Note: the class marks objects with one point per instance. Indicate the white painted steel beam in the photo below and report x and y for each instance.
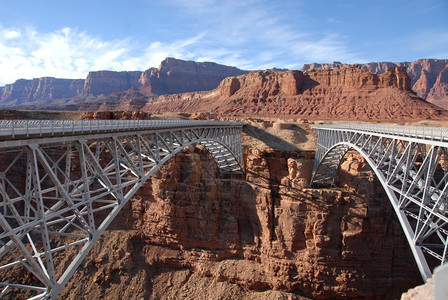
(63, 182)
(412, 165)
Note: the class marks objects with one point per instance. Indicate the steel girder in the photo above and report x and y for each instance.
(412, 165)
(62, 193)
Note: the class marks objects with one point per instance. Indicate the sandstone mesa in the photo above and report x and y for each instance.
(347, 93)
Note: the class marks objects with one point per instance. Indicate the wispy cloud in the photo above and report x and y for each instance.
(252, 34)
(432, 42)
(158, 51)
(246, 34)
(66, 53)
(70, 53)
(258, 34)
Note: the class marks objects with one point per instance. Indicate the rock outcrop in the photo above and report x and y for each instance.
(178, 76)
(347, 93)
(109, 90)
(438, 94)
(267, 231)
(107, 82)
(39, 90)
(172, 76)
(429, 77)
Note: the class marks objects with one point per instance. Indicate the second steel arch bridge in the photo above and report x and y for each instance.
(412, 165)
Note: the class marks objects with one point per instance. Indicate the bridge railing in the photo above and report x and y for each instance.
(427, 133)
(13, 128)
(410, 162)
(59, 193)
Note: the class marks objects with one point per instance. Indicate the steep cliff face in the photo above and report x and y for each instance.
(438, 94)
(354, 77)
(346, 93)
(266, 231)
(38, 90)
(107, 82)
(428, 76)
(178, 76)
(172, 76)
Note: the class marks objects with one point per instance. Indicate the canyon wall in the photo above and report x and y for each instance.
(107, 82)
(348, 93)
(172, 76)
(191, 231)
(38, 90)
(108, 89)
(429, 77)
(177, 76)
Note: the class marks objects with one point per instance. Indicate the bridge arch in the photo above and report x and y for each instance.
(340, 149)
(412, 168)
(60, 190)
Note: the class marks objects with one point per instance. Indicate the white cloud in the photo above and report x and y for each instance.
(69, 53)
(248, 35)
(262, 34)
(10, 34)
(65, 53)
(181, 49)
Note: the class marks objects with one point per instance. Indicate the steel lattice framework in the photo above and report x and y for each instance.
(63, 182)
(412, 165)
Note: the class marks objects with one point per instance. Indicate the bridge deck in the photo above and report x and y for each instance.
(415, 133)
(412, 165)
(18, 132)
(66, 181)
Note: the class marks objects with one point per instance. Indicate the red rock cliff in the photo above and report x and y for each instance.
(427, 76)
(39, 90)
(179, 76)
(425, 73)
(107, 82)
(346, 93)
(265, 231)
(172, 76)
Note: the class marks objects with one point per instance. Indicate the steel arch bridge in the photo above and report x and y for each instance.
(63, 182)
(412, 165)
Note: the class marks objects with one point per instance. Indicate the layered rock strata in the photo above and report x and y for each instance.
(429, 77)
(38, 90)
(265, 231)
(348, 93)
(108, 82)
(177, 76)
(102, 87)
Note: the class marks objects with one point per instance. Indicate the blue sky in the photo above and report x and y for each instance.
(69, 38)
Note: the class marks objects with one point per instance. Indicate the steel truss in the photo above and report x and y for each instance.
(412, 165)
(61, 193)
